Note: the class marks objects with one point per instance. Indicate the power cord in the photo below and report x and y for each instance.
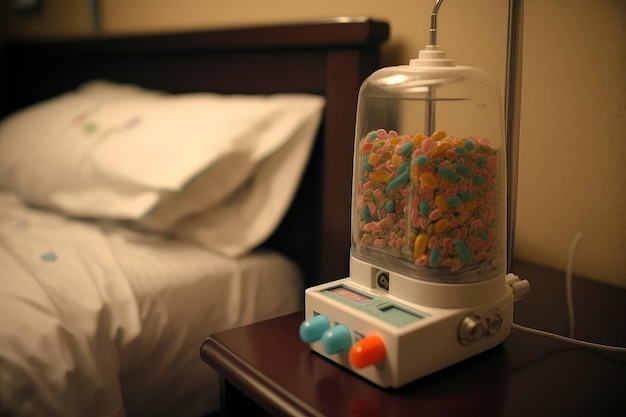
(521, 287)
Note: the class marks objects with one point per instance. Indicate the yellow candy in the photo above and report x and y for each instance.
(470, 205)
(373, 159)
(442, 225)
(394, 141)
(429, 180)
(421, 242)
(440, 148)
(417, 139)
(440, 134)
(441, 203)
(396, 160)
(380, 176)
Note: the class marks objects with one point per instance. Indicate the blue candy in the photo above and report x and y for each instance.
(463, 170)
(464, 254)
(467, 196)
(447, 174)
(406, 149)
(453, 201)
(403, 178)
(422, 160)
(365, 214)
(425, 208)
(435, 256)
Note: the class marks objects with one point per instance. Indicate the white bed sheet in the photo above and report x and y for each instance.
(99, 320)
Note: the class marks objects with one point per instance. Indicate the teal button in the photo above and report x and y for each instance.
(336, 339)
(313, 328)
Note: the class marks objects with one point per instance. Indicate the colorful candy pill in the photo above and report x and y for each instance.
(464, 254)
(479, 180)
(442, 225)
(435, 256)
(422, 160)
(441, 203)
(467, 196)
(417, 139)
(439, 148)
(447, 174)
(406, 150)
(380, 243)
(470, 206)
(422, 260)
(463, 171)
(365, 214)
(453, 201)
(429, 180)
(397, 181)
(380, 176)
(373, 158)
(421, 241)
(435, 214)
(438, 135)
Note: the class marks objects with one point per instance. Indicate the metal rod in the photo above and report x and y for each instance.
(512, 116)
(429, 121)
(433, 22)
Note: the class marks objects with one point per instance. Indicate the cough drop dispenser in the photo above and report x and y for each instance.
(429, 243)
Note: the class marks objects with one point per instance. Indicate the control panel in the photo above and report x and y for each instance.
(392, 342)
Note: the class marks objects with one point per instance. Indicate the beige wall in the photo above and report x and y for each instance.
(573, 140)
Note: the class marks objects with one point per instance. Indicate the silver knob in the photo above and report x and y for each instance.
(471, 329)
(494, 321)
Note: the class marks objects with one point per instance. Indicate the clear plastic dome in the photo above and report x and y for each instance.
(429, 183)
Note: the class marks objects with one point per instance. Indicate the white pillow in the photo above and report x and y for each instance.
(121, 152)
(250, 216)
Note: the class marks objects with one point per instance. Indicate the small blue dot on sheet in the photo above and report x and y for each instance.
(49, 257)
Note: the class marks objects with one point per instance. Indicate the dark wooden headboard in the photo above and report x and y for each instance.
(328, 57)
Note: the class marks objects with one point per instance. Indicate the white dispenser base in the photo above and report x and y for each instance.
(407, 341)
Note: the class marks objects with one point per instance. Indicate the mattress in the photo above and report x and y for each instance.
(99, 319)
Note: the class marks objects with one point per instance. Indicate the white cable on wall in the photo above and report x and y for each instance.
(570, 310)
(568, 283)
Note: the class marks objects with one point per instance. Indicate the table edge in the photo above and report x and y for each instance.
(261, 389)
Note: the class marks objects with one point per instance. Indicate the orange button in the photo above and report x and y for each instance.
(368, 351)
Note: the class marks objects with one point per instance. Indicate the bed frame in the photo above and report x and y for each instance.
(327, 57)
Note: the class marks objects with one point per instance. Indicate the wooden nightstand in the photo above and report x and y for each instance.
(266, 370)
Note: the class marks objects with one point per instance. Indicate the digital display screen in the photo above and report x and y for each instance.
(379, 307)
(350, 295)
(398, 316)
